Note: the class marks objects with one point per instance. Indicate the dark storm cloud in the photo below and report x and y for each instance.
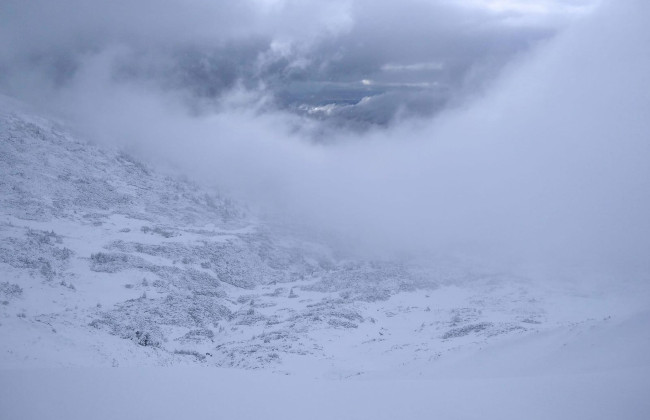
(47, 42)
(414, 32)
(400, 45)
(206, 48)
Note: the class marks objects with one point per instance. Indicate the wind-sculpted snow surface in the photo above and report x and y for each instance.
(105, 262)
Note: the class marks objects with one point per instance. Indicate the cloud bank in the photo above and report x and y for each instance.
(535, 157)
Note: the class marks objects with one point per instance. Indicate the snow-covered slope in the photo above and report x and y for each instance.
(105, 262)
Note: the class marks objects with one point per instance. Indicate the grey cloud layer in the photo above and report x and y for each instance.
(206, 48)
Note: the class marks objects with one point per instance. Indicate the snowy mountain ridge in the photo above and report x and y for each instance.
(105, 262)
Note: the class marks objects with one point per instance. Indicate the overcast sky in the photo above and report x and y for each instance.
(516, 131)
(415, 56)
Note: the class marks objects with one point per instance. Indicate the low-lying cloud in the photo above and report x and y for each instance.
(546, 164)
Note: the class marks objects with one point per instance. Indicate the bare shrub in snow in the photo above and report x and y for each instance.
(10, 291)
